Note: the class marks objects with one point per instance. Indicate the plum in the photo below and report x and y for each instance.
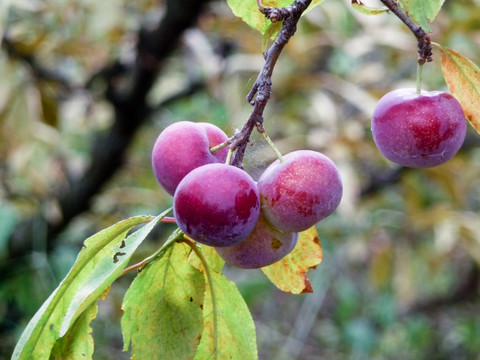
(418, 130)
(182, 147)
(264, 246)
(217, 204)
(299, 192)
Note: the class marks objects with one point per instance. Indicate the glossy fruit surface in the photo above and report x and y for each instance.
(264, 246)
(217, 204)
(182, 147)
(418, 130)
(301, 191)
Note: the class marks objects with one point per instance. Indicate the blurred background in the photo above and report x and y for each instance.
(86, 86)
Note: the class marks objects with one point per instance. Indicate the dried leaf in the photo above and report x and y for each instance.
(290, 273)
(463, 80)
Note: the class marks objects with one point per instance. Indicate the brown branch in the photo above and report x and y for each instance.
(424, 45)
(261, 91)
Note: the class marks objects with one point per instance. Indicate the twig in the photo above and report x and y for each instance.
(424, 45)
(261, 91)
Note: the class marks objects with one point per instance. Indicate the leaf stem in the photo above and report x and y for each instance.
(228, 161)
(176, 235)
(197, 252)
(272, 146)
(220, 146)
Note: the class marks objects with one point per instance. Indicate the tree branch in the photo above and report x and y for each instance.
(261, 91)
(424, 45)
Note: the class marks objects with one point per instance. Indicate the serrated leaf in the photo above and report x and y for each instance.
(99, 263)
(163, 308)
(290, 273)
(423, 12)
(235, 335)
(368, 10)
(248, 11)
(463, 80)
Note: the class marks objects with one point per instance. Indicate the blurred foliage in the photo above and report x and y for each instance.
(399, 279)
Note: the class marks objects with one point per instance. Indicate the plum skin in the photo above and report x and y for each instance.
(264, 246)
(217, 204)
(301, 191)
(418, 130)
(182, 147)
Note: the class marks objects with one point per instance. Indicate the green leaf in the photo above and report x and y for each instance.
(289, 274)
(100, 262)
(463, 80)
(368, 10)
(77, 343)
(248, 11)
(214, 261)
(234, 337)
(163, 308)
(423, 12)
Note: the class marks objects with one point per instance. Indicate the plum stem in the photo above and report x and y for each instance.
(424, 45)
(272, 146)
(419, 77)
(208, 274)
(261, 90)
(229, 156)
(214, 149)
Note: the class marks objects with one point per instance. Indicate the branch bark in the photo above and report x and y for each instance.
(261, 91)
(424, 45)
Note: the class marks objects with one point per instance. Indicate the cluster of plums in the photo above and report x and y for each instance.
(250, 224)
(419, 130)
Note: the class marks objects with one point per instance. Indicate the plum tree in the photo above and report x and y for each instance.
(264, 246)
(299, 192)
(217, 204)
(419, 130)
(182, 147)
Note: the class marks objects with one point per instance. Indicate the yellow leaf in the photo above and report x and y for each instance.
(290, 273)
(463, 80)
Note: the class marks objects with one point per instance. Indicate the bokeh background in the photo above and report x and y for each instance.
(85, 88)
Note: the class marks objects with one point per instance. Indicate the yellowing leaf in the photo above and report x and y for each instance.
(163, 308)
(463, 80)
(290, 273)
(248, 11)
